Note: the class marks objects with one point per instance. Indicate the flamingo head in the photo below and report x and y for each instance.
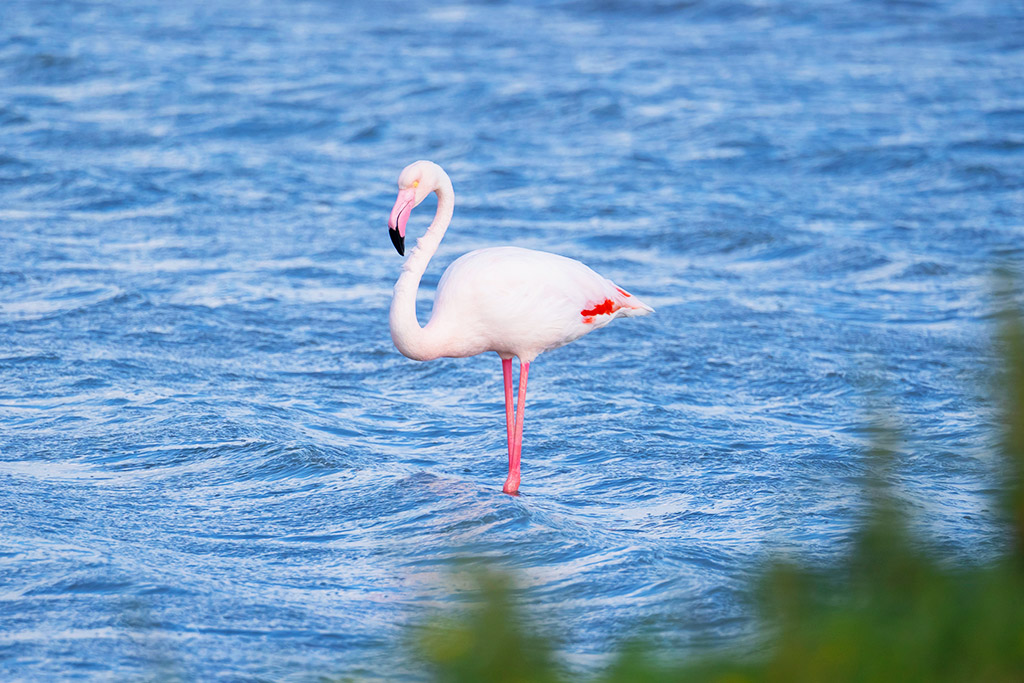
(417, 180)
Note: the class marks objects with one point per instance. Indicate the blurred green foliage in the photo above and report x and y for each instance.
(889, 612)
(490, 643)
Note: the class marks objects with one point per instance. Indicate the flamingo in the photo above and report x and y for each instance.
(513, 301)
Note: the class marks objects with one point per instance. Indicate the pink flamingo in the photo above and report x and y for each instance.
(515, 302)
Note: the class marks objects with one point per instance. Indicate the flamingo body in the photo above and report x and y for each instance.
(520, 302)
(512, 301)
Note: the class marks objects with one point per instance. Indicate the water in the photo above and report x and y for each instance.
(214, 462)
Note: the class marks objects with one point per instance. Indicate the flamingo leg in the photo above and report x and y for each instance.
(512, 483)
(510, 418)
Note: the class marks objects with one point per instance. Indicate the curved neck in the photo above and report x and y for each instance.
(412, 340)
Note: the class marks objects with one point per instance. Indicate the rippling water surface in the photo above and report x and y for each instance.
(214, 461)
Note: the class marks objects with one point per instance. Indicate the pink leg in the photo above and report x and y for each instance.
(512, 483)
(510, 419)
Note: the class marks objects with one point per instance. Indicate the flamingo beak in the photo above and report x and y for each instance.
(399, 217)
(398, 241)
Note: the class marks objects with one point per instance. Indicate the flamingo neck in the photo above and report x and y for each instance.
(410, 339)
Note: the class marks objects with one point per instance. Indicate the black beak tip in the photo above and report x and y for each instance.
(397, 240)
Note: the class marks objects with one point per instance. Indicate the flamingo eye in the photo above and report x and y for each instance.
(415, 183)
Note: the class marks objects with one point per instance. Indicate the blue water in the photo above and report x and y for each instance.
(214, 463)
